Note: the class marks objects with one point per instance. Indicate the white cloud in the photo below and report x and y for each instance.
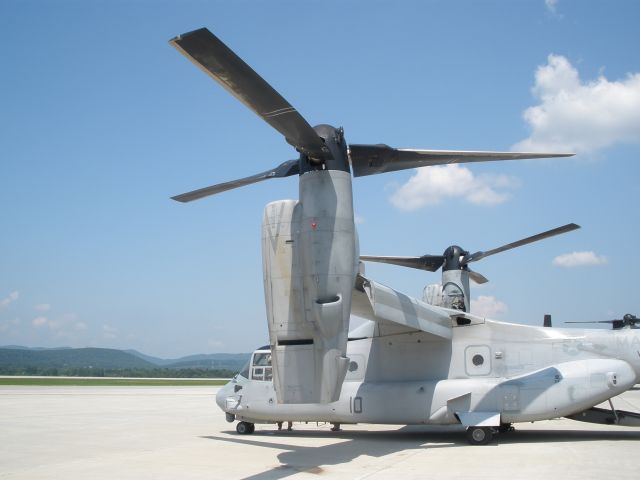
(488, 306)
(40, 321)
(430, 185)
(579, 259)
(12, 297)
(43, 321)
(580, 116)
(358, 220)
(551, 5)
(42, 307)
(63, 325)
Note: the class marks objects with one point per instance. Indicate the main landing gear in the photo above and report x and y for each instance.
(484, 435)
(245, 428)
(480, 435)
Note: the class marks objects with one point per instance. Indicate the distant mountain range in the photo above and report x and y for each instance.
(16, 356)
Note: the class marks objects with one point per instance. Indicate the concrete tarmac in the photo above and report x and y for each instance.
(179, 433)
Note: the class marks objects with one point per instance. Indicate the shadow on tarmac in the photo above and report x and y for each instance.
(298, 458)
(311, 459)
(564, 436)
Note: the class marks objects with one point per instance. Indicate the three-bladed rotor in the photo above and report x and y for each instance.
(455, 258)
(322, 147)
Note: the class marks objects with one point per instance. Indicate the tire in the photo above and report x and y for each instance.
(245, 428)
(479, 435)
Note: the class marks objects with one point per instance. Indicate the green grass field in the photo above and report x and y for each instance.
(109, 382)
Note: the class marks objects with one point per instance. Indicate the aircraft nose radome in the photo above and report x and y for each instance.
(221, 396)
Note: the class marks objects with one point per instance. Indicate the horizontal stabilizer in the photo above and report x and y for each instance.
(374, 159)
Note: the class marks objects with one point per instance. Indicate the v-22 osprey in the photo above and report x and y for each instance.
(414, 361)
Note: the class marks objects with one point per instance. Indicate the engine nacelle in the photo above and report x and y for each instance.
(455, 290)
(310, 263)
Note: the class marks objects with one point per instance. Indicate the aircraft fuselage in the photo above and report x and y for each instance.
(517, 373)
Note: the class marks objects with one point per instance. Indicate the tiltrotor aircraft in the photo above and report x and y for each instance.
(414, 361)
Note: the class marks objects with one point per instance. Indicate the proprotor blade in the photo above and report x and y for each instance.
(597, 321)
(286, 169)
(474, 257)
(430, 263)
(373, 159)
(477, 277)
(218, 61)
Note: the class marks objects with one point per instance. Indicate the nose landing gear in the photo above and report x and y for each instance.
(245, 428)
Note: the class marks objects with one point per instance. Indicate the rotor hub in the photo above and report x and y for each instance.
(334, 142)
(452, 256)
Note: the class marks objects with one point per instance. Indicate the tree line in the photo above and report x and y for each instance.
(118, 372)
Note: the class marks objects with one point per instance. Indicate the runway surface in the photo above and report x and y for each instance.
(179, 433)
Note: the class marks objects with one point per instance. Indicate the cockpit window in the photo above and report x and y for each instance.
(262, 359)
(261, 367)
(245, 370)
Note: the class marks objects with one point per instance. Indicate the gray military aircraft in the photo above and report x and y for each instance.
(413, 361)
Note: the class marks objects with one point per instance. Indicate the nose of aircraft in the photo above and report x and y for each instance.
(221, 396)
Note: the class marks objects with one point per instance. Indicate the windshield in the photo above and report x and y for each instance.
(245, 370)
(261, 366)
(262, 359)
(258, 367)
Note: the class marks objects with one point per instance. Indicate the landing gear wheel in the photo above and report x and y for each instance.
(479, 435)
(245, 428)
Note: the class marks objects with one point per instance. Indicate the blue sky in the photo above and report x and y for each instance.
(102, 121)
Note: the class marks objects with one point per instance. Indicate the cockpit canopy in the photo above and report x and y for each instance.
(259, 366)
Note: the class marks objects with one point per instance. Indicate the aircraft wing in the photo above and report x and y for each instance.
(374, 301)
